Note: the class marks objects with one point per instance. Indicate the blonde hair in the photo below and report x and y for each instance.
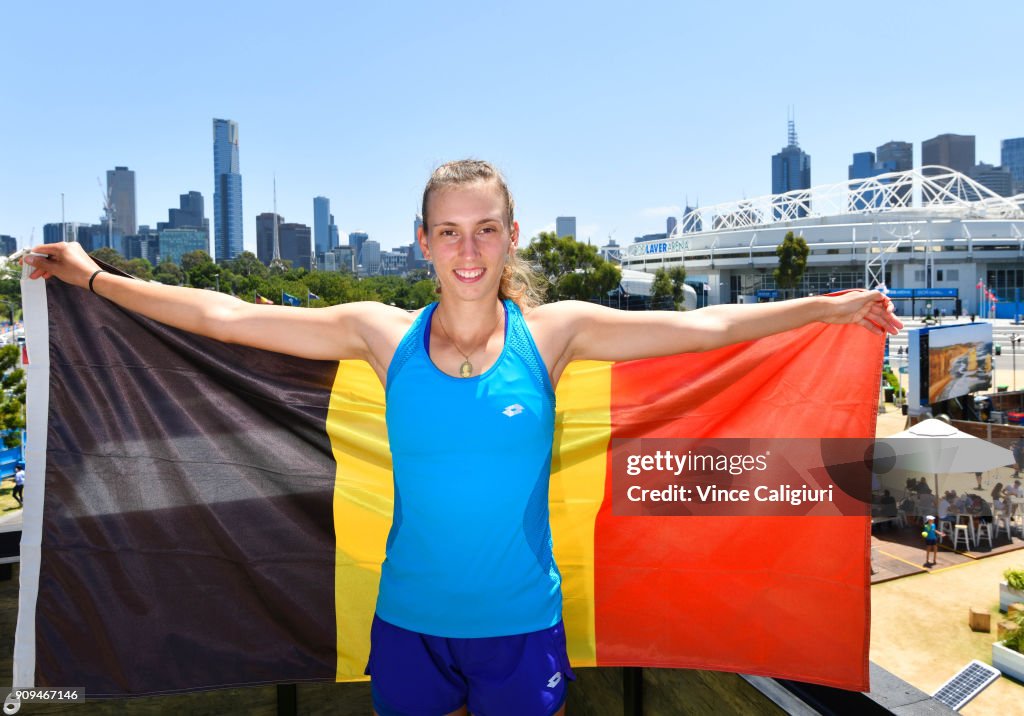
(519, 281)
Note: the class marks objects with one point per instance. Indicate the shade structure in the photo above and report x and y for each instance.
(935, 447)
(208, 515)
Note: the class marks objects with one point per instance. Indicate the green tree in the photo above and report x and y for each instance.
(169, 272)
(140, 268)
(12, 400)
(246, 264)
(571, 270)
(110, 256)
(792, 253)
(668, 290)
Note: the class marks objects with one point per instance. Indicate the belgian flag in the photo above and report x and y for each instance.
(205, 515)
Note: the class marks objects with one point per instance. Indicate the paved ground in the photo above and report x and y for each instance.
(919, 625)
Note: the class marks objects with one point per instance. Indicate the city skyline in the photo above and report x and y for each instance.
(626, 156)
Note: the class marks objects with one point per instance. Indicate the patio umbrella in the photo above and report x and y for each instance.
(933, 446)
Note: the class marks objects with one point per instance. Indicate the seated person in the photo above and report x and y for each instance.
(922, 487)
(888, 504)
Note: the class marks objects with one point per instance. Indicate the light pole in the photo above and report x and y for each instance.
(1014, 340)
(216, 277)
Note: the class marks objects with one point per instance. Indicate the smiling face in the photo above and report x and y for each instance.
(468, 239)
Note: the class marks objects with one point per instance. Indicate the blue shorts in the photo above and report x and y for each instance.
(413, 674)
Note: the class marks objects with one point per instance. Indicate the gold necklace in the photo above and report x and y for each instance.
(466, 369)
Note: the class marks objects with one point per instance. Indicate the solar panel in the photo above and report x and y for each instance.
(968, 683)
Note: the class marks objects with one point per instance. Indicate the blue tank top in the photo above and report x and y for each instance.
(469, 552)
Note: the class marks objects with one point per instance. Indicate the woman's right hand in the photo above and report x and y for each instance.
(68, 261)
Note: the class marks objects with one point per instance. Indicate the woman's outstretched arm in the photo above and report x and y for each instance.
(334, 333)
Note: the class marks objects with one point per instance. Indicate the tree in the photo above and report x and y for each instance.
(110, 256)
(572, 270)
(792, 253)
(140, 268)
(169, 272)
(246, 264)
(667, 289)
(12, 400)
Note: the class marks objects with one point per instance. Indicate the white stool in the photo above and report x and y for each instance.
(968, 523)
(946, 528)
(984, 532)
(960, 532)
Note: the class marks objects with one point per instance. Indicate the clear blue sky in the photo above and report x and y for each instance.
(608, 112)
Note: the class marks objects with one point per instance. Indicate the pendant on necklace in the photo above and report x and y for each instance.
(466, 369)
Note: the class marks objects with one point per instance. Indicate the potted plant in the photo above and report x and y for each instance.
(1012, 590)
(1008, 654)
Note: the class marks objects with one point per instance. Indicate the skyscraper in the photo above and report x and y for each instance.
(955, 151)
(791, 171)
(565, 226)
(356, 239)
(227, 192)
(1012, 158)
(121, 187)
(190, 214)
(333, 234)
(8, 244)
(322, 224)
(295, 241)
(901, 154)
(265, 236)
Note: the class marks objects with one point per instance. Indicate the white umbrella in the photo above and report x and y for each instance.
(937, 447)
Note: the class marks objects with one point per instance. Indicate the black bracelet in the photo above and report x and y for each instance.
(93, 278)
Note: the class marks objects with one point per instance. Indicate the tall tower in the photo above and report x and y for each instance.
(1012, 156)
(121, 188)
(227, 191)
(791, 167)
(321, 225)
(955, 151)
(791, 171)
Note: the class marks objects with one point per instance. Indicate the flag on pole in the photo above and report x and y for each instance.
(209, 514)
(262, 299)
(313, 297)
(289, 300)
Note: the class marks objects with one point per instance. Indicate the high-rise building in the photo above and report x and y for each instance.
(393, 263)
(670, 225)
(791, 168)
(955, 151)
(565, 226)
(121, 188)
(227, 191)
(338, 259)
(694, 224)
(145, 244)
(175, 243)
(190, 214)
(356, 239)
(998, 179)
(296, 242)
(322, 220)
(334, 242)
(1011, 155)
(8, 244)
(864, 166)
(265, 236)
(900, 154)
(52, 233)
(369, 255)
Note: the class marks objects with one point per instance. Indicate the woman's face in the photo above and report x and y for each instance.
(467, 239)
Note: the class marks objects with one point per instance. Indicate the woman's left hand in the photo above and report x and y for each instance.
(871, 309)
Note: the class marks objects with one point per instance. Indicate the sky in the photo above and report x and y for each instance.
(616, 114)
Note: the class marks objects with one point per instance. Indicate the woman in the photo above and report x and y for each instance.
(469, 607)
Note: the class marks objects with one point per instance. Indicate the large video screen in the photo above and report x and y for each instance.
(959, 360)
